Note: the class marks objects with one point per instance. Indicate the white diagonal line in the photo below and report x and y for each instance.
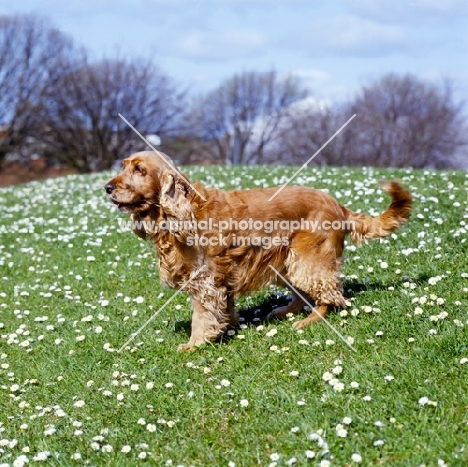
(160, 154)
(313, 308)
(257, 372)
(161, 309)
(303, 166)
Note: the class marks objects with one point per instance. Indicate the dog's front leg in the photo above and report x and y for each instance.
(210, 320)
(197, 336)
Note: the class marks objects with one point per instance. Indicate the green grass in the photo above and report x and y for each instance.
(66, 271)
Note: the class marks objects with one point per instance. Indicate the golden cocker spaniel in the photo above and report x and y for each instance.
(219, 244)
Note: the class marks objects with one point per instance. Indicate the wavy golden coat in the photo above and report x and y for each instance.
(169, 211)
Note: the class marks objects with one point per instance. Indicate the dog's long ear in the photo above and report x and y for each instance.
(175, 203)
(174, 198)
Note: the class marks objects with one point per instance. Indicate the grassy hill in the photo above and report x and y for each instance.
(73, 289)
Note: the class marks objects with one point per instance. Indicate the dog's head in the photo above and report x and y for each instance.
(147, 181)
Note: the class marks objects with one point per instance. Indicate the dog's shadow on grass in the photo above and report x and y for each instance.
(183, 327)
(255, 314)
(250, 314)
(354, 287)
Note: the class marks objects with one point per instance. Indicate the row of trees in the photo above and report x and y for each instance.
(400, 121)
(58, 104)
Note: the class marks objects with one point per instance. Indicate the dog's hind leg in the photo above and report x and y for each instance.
(315, 271)
(318, 313)
(292, 308)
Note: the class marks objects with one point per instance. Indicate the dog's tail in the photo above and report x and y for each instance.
(363, 227)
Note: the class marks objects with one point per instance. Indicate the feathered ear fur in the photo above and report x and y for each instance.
(175, 204)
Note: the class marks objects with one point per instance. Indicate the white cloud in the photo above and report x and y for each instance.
(309, 104)
(313, 77)
(220, 45)
(351, 35)
(410, 11)
(324, 87)
(313, 80)
(151, 6)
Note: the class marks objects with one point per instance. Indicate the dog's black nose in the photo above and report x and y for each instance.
(110, 187)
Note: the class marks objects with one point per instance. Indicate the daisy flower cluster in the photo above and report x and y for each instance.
(332, 378)
(74, 288)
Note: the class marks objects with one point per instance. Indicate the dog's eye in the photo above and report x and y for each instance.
(139, 170)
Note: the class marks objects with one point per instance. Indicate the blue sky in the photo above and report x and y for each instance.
(334, 46)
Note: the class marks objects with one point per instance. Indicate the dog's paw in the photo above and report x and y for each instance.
(191, 345)
(186, 347)
(300, 324)
(279, 313)
(270, 316)
(275, 314)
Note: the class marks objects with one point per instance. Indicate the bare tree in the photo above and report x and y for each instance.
(85, 131)
(306, 131)
(403, 121)
(239, 118)
(33, 55)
